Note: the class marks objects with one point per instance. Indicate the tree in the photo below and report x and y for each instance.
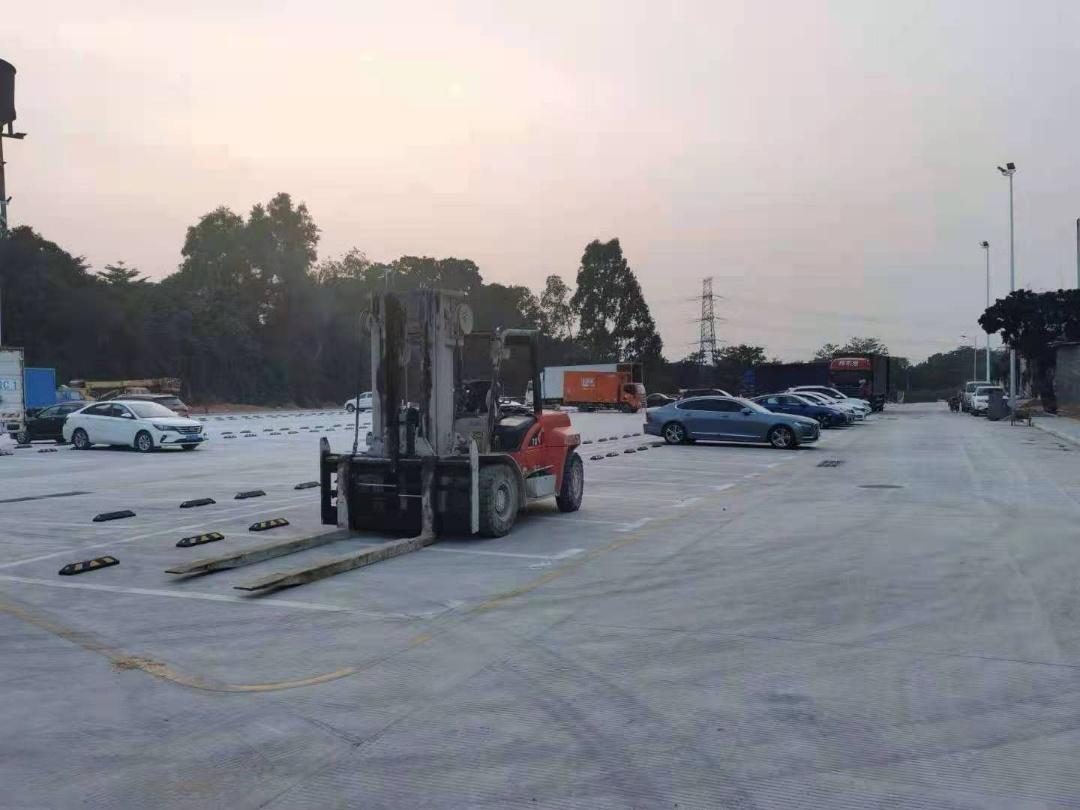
(1030, 322)
(555, 308)
(827, 352)
(614, 320)
(855, 345)
(732, 363)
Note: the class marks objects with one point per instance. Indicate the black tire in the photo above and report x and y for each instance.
(499, 500)
(573, 484)
(350, 408)
(80, 440)
(675, 433)
(782, 437)
(22, 437)
(189, 446)
(144, 442)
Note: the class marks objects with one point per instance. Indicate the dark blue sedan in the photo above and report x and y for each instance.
(803, 406)
(728, 419)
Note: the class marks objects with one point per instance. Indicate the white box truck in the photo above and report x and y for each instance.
(12, 395)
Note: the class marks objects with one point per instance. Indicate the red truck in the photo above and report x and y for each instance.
(592, 390)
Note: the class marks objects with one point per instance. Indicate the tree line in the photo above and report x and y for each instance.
(253, 315)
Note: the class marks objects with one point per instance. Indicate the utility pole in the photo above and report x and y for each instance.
(7, 118)
(1078, 253)
(986, 246)
(1009, 171)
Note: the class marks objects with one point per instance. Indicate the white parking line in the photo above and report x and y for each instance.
(562, 555)
(207, 597)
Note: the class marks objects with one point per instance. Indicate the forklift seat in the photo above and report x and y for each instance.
(510, 431)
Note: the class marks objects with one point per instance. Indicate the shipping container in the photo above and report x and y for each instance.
(12, 403)
(40, 387)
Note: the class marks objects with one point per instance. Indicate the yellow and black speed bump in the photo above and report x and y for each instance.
(587, 441)
(197, 502)
(629, 450)
(123, 513)
(306, 485)
(612, 455)
(251, 493)
(643, 447)
(88, 565)
(596, 458)
(199, 539)
(263, 525)
(47, 450)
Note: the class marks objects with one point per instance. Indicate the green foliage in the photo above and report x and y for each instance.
(556, 312)
(855, 345)
(614, 319)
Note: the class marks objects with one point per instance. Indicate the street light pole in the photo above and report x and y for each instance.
(1009, 171)
(986, 247)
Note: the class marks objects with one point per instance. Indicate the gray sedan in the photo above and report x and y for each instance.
(728, 419)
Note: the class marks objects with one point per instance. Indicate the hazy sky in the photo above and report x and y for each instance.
(830, 163)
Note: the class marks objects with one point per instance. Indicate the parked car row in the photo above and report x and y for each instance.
(139, 421)
(783, 420)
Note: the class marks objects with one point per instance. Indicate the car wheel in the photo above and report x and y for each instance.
(675, 433)
(573, 484)
(782, 437)
(498, 500)
(350, 408)
(144, 442)
(22, 437)
(80, 440)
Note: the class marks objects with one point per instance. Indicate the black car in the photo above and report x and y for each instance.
(658, 400)
(48, 423)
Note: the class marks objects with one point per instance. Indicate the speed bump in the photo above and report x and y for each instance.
(587, 441)
(629, 450)
(596, 458)
(47, 450)
(306, 485)
(87, 565)
(197, 502)
(123, 513)
(199, 539)
(612, 454)
(263, 525)
(602, 439)
(643, 447)
(251, 493)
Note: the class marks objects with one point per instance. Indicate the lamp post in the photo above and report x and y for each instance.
(1009, 171)
(974, 356)
(986, 247)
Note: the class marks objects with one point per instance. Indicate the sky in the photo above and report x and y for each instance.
(830, 164)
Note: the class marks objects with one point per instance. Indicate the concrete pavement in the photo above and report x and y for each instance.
(722, 627)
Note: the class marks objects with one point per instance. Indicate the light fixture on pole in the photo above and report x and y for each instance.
(974, 357)
(1009, 171)
(986, 246)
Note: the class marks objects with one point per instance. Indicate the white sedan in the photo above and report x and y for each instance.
(361, 403)
(142, 425)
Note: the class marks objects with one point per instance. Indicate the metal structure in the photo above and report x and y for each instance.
(447, 453)
(986, 246)
(707, 339)
(7, 130)
(1008, 171)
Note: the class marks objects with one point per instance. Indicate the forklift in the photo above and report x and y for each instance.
(446, 454)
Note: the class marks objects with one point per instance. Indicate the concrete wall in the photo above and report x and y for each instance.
(1067, 376)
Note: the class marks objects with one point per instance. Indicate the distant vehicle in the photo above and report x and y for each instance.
(12, 392)
(47, 423)
(825, 415)
(728, 419)
(596, 390)
(703, 392)
(658, 400)
(173, 403)
(40, 387)
(969, 390)
(102, 390)
(862, 376)
(131, 423)
(552, 379)
(980, 398)
(361, 403)
(821, 399)
(832, 393)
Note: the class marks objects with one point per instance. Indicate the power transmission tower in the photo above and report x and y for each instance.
(706, 353)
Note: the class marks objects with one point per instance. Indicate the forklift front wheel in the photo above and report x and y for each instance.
(499, 500)
(573, 484)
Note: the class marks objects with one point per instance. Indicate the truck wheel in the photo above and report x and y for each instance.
(80, 440)
(573, 484)
(498, 500)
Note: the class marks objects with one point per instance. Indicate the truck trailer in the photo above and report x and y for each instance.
(552, 379)
(12, 391)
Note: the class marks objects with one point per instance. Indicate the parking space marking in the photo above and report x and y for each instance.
(722, 487)
(562, 555)
(170, 530)
(207, 597)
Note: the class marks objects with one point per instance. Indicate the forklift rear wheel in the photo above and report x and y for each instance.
(498, 500)
(573, 484)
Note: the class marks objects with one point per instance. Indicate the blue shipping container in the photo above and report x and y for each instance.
(40, 387)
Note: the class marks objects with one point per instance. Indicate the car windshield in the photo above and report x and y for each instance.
(749, 403)
(150, 410)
